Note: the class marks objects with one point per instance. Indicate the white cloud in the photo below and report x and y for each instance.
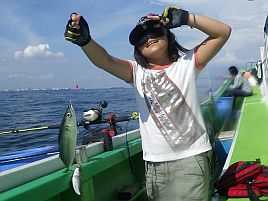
(163, 2)
(18, 76)
(85, 77)
(227, 57)
(41, 50)
(23, 76)
(47, 77)
(158, 3)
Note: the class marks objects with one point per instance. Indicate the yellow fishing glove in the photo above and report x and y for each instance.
(79, 36)
(175, 17)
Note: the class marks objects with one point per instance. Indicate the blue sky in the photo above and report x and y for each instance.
(34, 54)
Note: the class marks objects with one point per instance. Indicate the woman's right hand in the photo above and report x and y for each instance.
(77, 30)
(174, 17)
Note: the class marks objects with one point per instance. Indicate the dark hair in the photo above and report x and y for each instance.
(233, 70)
(175, 51)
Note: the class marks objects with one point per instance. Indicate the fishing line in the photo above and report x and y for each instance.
(128, 151)
(209, 85)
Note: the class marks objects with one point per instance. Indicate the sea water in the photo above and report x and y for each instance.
(28, 108)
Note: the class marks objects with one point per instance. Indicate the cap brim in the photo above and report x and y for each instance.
(139, 31)
(136, 34)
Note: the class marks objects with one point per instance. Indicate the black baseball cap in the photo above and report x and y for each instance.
(143, 27)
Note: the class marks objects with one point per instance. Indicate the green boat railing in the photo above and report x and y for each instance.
(102, 175)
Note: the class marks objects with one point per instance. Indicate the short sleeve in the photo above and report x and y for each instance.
(134, 67)
(197, 67)
(197, 64)
(189, 62)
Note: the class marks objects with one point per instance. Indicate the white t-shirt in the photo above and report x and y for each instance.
(171, 123)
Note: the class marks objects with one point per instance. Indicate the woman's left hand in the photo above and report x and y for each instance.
(157, 18)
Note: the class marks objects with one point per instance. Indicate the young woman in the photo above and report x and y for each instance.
(174, 139)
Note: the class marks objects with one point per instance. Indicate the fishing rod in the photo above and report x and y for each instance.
(91, 116)
(35, 128)
(57, 126)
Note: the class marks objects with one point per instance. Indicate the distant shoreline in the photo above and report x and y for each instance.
(57, 89)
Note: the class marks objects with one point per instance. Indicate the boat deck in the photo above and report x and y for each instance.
(251, 136)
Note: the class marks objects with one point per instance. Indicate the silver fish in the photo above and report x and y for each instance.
(76, 180)
(67, 137)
